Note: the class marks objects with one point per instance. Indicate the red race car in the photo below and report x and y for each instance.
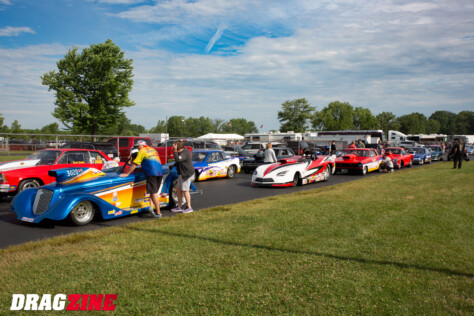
(16, 176)
(363, 160)
(400, 157)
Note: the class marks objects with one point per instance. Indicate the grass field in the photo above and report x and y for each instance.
(13, 155)
(398, 244)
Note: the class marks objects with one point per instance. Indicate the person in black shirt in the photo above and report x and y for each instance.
(185, 168)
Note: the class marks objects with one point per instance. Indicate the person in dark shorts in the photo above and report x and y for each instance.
(150, 161)
(185, 168)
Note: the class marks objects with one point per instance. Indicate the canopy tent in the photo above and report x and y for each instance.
(221, 139)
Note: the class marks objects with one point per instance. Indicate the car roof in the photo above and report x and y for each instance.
(207, 151)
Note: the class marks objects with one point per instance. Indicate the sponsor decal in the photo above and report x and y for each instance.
(12, 187)
(118, 213)
(134, 212)
(111, 212)
(27, 219)
(60, 302)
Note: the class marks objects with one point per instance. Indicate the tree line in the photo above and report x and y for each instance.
(299, 116)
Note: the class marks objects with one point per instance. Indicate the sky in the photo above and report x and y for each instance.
(227, 59)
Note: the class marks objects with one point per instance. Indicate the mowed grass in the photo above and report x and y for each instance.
(397, 244)
(13, 155)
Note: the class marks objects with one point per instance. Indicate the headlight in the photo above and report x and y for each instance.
(281, 174)
(255, 173)
(360, 165)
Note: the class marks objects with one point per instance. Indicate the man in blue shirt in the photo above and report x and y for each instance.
(151, 165)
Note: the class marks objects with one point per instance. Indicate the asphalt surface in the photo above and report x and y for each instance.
(215, 192)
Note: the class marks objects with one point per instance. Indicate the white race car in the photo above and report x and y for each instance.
(298, 170)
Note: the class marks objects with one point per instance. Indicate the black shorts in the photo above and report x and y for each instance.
(153, 184)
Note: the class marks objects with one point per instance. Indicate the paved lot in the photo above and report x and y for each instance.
(215, 192)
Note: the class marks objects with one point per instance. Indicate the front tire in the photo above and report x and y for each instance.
(365, 170)
(327, 172)
(28, 183)
(82, 213)
(296, 180)
(231, 172)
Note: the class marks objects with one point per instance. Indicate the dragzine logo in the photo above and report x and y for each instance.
(75, 302)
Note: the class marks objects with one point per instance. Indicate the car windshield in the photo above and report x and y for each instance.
(417, 150)
(359, 153)
(199, 157)
(395, 151)
(46, 157)
(435, 149)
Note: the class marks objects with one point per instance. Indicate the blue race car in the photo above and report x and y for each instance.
(436, 152)
(420, 155)
(214, 164)
(80, 193)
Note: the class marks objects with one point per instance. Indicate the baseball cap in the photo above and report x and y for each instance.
(141, 142)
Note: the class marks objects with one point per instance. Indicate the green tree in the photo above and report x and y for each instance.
(387, 121)
(2, 119)
(432, 126)
(465, 123)
(363, 119)
(414, 123)
(176, 126)
(295, 115)
(160, 127)
(239, 126)
(52, 128)
(336, 116)
(92, 88)
(446, 120)
(16, 127)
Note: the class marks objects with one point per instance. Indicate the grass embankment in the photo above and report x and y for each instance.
(13, 155)
(394, 244)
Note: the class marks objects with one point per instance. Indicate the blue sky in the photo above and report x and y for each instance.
(230, 59)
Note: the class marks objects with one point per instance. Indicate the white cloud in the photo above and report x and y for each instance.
(121, 1)
(15, 31)
(5, 2)
(387, 56)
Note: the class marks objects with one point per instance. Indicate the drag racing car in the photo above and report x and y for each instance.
(420, 155)
(297, 170)
(363, 160)
(210, 164)
(80, 193)
(400, 157)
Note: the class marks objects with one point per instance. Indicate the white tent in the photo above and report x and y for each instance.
(222, 139)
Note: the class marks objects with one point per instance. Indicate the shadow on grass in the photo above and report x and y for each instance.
(314, 253)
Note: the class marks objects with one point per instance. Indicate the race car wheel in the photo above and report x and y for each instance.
(231, 172)
(296, 180)
(365, 170)
(196, 176)
(82, 213)
(327, 172)
(28, 183)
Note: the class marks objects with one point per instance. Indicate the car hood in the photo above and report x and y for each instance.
(16, 164)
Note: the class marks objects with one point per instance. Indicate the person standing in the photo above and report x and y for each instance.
(270, 156)
(332, 149)
(185, 168)
(380, 147)
(360, 144)
(352, 145)
(148, 158)
(459, 151)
